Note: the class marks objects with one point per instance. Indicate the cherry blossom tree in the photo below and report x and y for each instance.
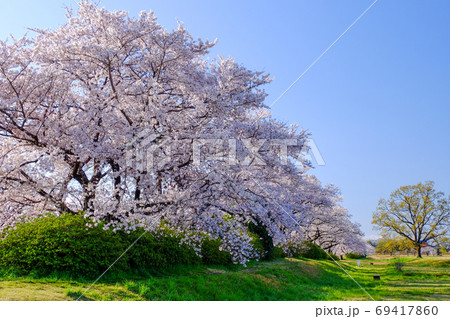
(133, 125)
(329, 225)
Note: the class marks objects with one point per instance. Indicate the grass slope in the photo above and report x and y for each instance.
(282, 279)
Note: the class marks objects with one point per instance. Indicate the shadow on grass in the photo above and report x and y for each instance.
(281, 279)
(78, 295)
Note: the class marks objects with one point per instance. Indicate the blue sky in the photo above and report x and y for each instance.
(377, 104)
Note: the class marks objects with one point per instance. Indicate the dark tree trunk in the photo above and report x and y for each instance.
(419, 251)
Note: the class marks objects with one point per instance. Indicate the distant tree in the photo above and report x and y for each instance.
(373, 242)
(445, 249)
(440, 244)
(332, 230)
(387, 245)
(418, 213)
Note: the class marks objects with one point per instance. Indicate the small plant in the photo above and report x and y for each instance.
(399, 266)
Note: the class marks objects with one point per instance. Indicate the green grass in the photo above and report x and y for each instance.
(282, 279)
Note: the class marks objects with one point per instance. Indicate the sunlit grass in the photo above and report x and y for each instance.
(282, 279)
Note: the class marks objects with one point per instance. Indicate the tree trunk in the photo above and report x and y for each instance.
(419, 252)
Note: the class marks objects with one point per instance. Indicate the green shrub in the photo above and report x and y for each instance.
(156, 251)
(332, 257)
(257, 244)
(59, 243)
(262, 241)
(309, 250)
(399, 266)
(354, 256)
(278, 252)
(212, 255)
(64, 244)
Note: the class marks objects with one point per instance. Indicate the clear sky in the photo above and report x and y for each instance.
(377, 104)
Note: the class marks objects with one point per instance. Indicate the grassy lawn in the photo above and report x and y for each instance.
(282, 279)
